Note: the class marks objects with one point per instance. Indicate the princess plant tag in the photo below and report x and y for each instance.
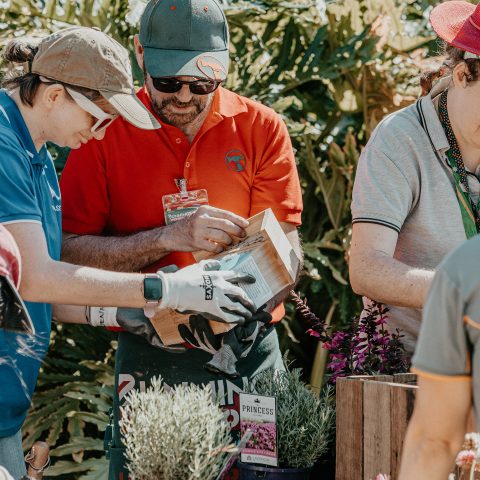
(183, 204)
(259, 414)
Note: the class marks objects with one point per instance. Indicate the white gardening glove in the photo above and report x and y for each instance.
(203, 288)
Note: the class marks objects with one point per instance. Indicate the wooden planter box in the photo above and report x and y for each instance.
(372, 417)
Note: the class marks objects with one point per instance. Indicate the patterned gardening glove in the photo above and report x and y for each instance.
(236, 344)
(199, 334)
(134, 321)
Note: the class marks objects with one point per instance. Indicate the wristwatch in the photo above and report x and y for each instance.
(152, 292)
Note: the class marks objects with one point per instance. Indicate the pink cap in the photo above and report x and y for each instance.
(458, 23)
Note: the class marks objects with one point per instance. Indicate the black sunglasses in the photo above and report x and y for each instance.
(172, 85)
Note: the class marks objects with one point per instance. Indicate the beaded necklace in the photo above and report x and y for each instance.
(470, 210)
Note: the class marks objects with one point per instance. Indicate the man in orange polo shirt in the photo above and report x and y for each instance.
(120, 210)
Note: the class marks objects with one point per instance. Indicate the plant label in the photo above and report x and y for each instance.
(259, 414)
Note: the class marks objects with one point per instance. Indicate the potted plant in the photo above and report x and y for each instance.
(365, 347)
(177, 434)
(304, 425)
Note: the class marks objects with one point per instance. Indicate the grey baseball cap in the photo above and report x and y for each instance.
(185, 37)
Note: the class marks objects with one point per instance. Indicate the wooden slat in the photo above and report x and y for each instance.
(376, 428)
(406, 378)
(379, 378)
(349, 433)
(374, 445)
(372, 378)
(402, 398)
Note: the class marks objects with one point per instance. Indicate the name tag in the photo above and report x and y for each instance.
(177, 206)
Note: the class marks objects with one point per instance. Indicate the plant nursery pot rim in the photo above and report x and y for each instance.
(265, 468)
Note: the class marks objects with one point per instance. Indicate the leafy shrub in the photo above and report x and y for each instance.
(180, 433)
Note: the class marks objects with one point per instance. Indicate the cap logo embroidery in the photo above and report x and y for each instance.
(235, 160)
(211, 68)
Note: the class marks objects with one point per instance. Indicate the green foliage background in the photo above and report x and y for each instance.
(332, 71)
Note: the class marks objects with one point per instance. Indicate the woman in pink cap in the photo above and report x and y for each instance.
(421, 170)
(416, 191)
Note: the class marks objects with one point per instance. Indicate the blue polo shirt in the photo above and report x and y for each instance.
(29, 192)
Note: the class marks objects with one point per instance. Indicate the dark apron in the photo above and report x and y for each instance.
(137, 362)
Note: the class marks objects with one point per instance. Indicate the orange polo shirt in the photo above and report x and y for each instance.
(242, 156)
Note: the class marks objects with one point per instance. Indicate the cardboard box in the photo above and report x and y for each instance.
(266, 252)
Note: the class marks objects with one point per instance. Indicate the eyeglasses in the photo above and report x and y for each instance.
(104, 119)
(172, 85)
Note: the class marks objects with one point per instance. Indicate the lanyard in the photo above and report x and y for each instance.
(468, 208)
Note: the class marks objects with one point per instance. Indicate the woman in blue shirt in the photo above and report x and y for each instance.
(74, 84)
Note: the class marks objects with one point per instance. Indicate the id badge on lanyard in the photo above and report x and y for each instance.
(183, 204)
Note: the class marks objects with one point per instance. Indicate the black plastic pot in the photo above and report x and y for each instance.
(249, 471)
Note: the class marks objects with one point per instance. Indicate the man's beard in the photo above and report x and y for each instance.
(179, 119)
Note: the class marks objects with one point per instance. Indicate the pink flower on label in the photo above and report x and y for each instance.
(382, 476)
(465, 458)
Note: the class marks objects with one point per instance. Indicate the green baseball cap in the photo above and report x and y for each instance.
(185, 37)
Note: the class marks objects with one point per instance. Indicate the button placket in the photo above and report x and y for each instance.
(189, 169)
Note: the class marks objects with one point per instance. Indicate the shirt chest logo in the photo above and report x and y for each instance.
(236, 160)
(56, 199)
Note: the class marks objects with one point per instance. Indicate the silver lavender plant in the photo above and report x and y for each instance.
(175, 434)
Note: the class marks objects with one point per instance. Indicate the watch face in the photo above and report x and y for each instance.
(152, 288)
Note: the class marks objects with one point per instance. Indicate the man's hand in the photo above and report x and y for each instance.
(209, 228)
(203, 288)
